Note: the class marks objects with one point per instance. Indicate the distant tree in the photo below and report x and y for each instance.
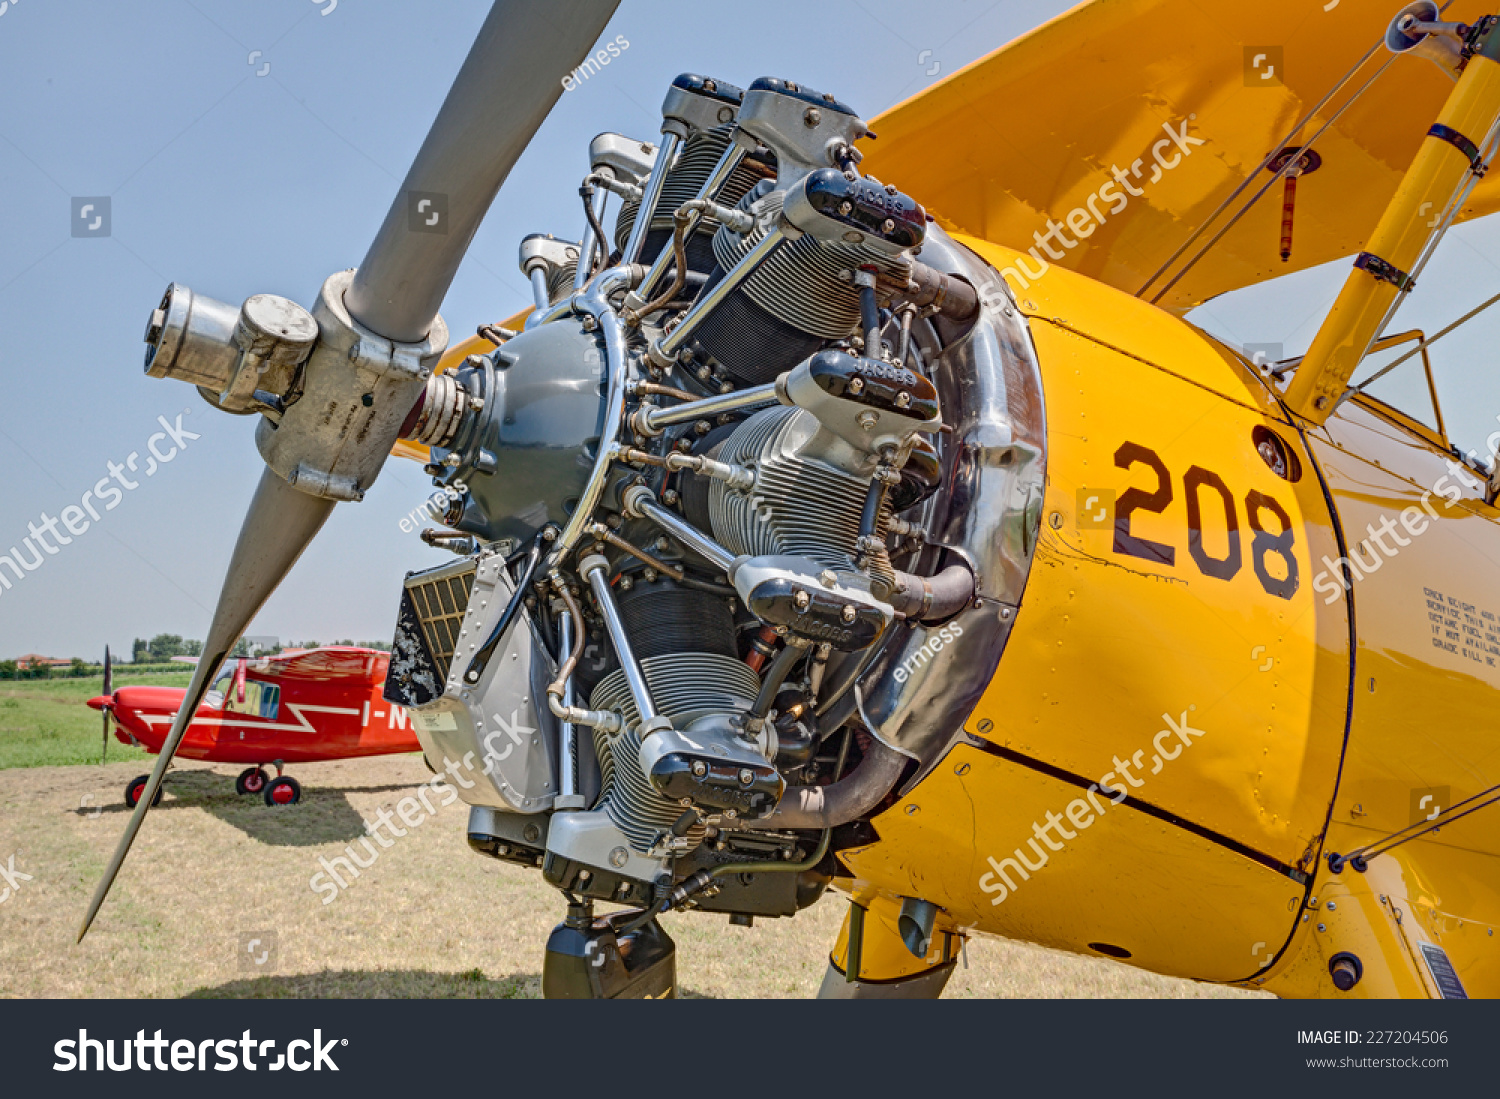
(192, 648)
(164, 646)
(9, 670)
(78, 668)
(241, 648)
(35, 669)
(140, 651)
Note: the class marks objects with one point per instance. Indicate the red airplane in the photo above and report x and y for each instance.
(299, 707)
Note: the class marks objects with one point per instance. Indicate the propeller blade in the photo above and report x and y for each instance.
(507, 85)
(109, 689)
(278, 526)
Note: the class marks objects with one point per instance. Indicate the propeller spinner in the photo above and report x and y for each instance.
(335, 384)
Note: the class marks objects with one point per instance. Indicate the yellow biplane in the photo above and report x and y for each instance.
(865, 515)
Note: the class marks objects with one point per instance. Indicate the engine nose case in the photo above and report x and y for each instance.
(526, 455)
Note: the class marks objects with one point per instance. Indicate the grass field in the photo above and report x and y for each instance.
(44, 722)
(212, 872)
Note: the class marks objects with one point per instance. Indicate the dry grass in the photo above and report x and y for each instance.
(429, 919)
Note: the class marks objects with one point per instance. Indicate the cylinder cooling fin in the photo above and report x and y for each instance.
(806, 282)
(800, 297)
(700, 153)
(686, 687)
(779, 515)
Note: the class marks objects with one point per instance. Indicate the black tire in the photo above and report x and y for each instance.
(283, 791)
(136, 787)
(252, 780)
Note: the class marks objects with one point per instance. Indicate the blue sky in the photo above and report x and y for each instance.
(238, 172)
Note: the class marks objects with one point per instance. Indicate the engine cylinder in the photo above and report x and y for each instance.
(685, 686)
(800, 505)
(663, 618)
(799, 298)
(700, 153)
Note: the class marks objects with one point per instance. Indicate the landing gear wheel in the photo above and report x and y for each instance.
(283, 791)
(252, 780)
(136, 788)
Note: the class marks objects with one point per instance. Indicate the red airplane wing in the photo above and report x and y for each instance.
(325, 664)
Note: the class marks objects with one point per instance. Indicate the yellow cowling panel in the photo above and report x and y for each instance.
(1128, 882)
(1107, 643)
(1033, 130)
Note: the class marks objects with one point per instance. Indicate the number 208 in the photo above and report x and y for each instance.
(1205, 493)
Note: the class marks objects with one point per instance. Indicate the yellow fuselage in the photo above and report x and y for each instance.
(1192, 711)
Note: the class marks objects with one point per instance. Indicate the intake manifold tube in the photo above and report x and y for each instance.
(557, 691)
(933, 598)
(840, 802)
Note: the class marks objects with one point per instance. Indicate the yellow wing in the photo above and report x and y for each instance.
(1035, 130)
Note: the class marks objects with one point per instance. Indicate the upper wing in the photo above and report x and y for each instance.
(322, 664)
(1034, 130)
